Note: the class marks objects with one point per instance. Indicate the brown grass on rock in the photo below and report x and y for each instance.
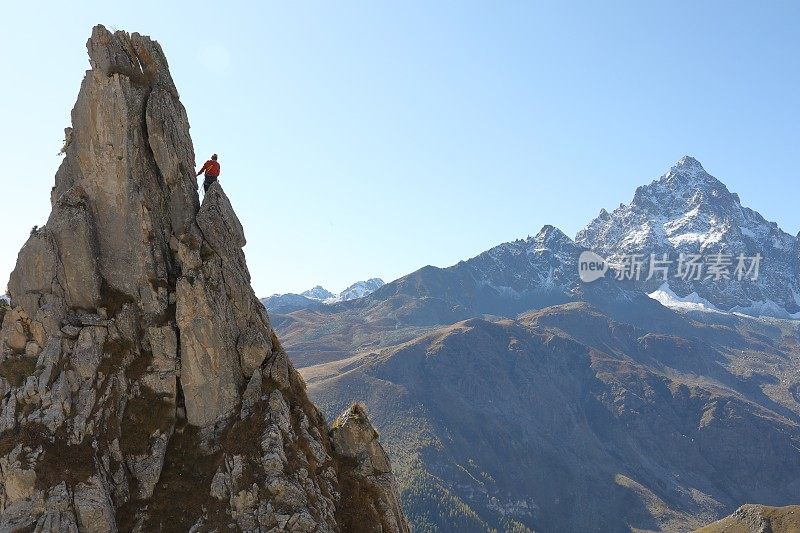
(15, 369)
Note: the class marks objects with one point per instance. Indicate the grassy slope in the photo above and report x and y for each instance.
(756, 519)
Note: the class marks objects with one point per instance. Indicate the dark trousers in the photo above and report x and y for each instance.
(208, 181)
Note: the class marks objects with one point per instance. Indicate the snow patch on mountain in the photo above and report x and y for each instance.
(766, 308)
(690, 302)
(695, 302)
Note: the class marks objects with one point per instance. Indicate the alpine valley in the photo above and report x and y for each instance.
(512, 396)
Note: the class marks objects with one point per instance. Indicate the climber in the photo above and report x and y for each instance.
(211, 168)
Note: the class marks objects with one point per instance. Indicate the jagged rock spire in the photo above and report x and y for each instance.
(355, 440)
(143, 387)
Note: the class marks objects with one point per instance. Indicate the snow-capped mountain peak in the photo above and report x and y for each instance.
(318, 293)
(358, 289)
(319, 297)
(689, 176)
(688, 164)
(689, 211)
(686, 208)
(550, 237)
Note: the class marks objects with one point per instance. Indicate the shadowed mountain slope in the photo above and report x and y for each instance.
(566, 420)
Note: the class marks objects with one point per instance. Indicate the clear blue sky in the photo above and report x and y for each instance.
(362, 139)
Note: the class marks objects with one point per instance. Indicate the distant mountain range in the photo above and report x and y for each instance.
(686, 211)
(319, 296)
(514, 396)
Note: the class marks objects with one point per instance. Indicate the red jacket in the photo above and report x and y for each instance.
(211, 168)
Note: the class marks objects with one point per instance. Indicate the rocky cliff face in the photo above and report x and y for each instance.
(143, 387)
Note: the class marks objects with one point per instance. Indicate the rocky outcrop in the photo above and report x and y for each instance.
(368, 474)
(143, 387)
(758, 519)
